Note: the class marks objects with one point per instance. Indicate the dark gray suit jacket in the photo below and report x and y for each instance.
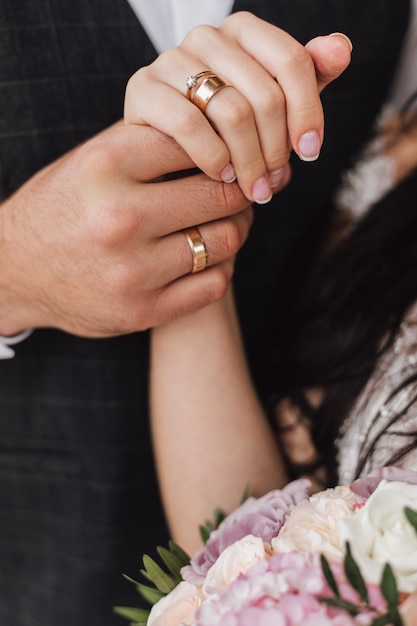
(78, 493)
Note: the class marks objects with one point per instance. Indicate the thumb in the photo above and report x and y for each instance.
(331, 55)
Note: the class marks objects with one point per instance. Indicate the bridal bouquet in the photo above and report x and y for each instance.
(342, 557)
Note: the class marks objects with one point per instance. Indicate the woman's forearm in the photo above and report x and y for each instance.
(211, 436)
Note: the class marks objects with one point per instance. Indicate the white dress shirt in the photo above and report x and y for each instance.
(166, 22)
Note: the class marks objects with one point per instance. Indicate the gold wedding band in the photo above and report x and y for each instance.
(192, 81)
(208, 88)
(197, 247)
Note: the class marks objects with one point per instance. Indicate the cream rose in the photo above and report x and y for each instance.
(178, 607)
(312, 524)
(234, 560)
(380, 533)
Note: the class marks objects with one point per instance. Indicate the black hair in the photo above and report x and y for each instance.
(336, 325)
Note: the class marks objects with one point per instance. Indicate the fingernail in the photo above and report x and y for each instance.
(345, 37)
(261, 191)
(275, 177)
(309, 146)
(228, 175)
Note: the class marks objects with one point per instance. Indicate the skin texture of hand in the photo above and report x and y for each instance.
(91, 245)
(248, 130)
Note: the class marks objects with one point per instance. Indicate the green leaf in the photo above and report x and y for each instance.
(163, 581)
(150, 594)
(328, 574)
(171, 561)
(131, 580)
(218, 518)
(138, 616)
(388, 618)
(339, 603)
(245, 495)
(205, 531)
(145, 574)
(389, 588)
(354, 575)
(411, 516)
(180, 553)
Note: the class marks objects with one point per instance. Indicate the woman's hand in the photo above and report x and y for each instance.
(249, 128)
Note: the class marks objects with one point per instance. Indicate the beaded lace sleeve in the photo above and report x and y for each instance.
(385, 414)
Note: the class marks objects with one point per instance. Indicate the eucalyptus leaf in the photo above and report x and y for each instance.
(131, 580)
(328, 574)
(172, 562)
(245, 495)
(205, 531)
(384, 620)
(411, 516)
(218, 517)
(389, 588)
(354, 576)
(163, 581)
(339, 603)
(180, 553)
(146, 575)
(150, 594)
(138, 616)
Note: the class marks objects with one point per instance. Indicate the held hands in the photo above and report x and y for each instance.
(249, 128)
(93, 243)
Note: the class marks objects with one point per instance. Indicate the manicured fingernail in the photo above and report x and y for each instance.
(309, 146)
(228, 175)
(261, 191)
(275, 177)
(345, 37)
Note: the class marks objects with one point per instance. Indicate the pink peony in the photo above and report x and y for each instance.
(366, 486)
(281, 591)
(262, 517)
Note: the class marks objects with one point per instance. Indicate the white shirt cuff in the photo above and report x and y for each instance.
(5, 342)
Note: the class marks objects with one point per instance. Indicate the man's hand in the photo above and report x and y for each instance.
(92, 244)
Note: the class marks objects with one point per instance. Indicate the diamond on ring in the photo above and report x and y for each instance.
(190, 82)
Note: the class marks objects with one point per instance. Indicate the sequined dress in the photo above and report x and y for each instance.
(386, 395)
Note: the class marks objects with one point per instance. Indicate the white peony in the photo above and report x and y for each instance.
(178, 607)
(313, 524)
(234, 560)
(380, 533)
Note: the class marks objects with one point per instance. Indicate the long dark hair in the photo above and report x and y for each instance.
(346, 313)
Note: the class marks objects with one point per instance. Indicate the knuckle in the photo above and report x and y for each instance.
(216, 159)
(200, 37)
(238, 20)
(102, 224)
(270, 102)
(278, 159)
(228, 198)
(236, 112)
(298, 59)
(111, 225)
(232, 239)
(220, 282)
(115, 280)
